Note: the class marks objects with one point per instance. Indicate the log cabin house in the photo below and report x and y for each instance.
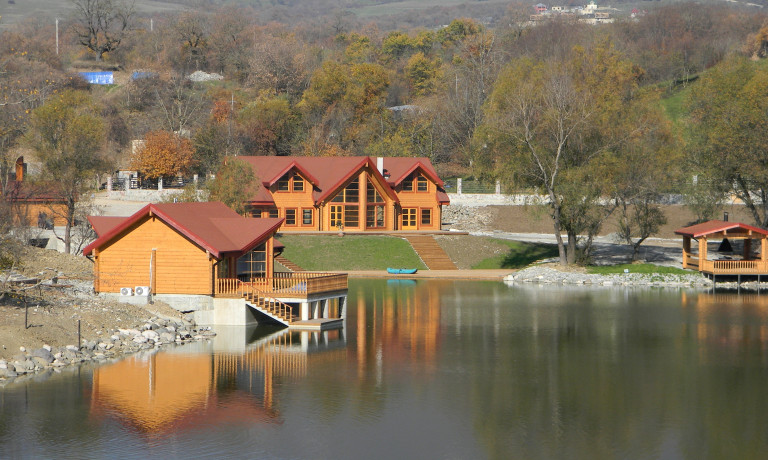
(206, 258)
(33, 204)
(348, 193)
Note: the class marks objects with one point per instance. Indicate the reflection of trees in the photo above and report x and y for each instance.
(611, 377)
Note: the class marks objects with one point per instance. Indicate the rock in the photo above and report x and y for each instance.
(150, 334)
(47, 347)
(22, 349)
(43, 355)
(167, 337)
(41, 362)
(140, 339)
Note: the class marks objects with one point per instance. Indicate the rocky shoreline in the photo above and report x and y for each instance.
(548, 275)
(153, 334)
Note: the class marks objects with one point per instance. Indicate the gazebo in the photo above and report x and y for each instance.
(748, 262)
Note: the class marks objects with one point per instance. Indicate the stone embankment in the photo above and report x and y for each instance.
(547, 275)
(153, 334)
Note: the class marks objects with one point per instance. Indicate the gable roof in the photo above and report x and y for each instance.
(400, 168)
(717, 226)
(328, 173)
(27, 192)
(210, 225)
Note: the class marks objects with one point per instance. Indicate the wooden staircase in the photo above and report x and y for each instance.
(288, 264)
(433, 256)
(275, 309)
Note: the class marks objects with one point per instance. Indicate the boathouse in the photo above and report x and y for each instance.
(204, 257)
(348, 193)
(749, 258)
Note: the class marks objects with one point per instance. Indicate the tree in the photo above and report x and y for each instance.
(164, 154)
(68, 136)
(102, 24)
(730, 132)
(550, 121)
(235, 184)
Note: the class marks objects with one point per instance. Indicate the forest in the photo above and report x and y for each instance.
(597, 119)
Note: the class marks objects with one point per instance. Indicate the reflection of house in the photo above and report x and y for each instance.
(349, 193)
(747, 262)
(171, 391)
(735, 320)
(204, 256)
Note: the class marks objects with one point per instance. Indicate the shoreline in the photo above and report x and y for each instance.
(543, 274)
(152, 335)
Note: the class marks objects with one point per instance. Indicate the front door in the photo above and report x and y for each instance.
(337, 216)
(409, 218)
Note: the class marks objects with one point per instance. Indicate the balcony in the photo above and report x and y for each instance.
(294, 285)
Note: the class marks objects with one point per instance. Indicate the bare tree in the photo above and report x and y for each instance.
(102, 24)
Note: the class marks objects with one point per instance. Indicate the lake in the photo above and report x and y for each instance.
(430, 370)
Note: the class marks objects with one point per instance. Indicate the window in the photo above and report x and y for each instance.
(421, 183)
(256, 213)
(351, 216)
(306, 217)
(273, 213)
(290, 217)
(374, 212)
(350, 194)
(374, 217)
(372, 195)
(253, 264)
(283, 184)
(298, 183)
(408, 184)
(426, 216)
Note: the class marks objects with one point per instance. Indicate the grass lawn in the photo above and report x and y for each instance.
(350, 252)
(519, 255)
(637, 268)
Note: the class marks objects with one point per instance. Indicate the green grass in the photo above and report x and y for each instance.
(350, 252)
(520, 255)
(636, 268)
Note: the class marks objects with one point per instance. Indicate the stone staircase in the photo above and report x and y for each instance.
(433, 256)
(288, 264)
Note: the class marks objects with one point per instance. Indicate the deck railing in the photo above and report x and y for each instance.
(729, 267)
(295, 284)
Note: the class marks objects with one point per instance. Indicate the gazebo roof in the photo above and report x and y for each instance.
(718, 226)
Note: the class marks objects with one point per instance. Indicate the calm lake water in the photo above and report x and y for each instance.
(431, 369)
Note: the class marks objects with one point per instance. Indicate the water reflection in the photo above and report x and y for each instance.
(225, 381)
(434, 369)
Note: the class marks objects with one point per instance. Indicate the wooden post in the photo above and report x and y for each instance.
(702, 253)
(152, 270)
(686, 250)
(747, 249)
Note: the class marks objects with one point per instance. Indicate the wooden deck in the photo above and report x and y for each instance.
(727, 266)
(288, 284)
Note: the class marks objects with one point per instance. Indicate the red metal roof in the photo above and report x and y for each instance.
(103, 224)
(211, 225)
(27, 192)
(716, 226)
(400, 167)
(327, 174)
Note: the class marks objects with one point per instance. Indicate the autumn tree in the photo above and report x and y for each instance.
(68, 136)
(164, 154)
(550, 121)
(341, 99)
(235, 184)
(730, 132)
(101, 25)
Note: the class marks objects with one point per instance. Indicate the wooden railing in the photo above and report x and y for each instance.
(690, 261)
(738, 266)
(295, 284)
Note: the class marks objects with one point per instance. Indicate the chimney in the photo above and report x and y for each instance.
(380, 165)
(725, 216)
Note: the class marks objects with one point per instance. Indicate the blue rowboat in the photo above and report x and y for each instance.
(402, 271)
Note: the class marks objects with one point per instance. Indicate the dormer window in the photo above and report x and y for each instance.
(290, 182)
(415, 182)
